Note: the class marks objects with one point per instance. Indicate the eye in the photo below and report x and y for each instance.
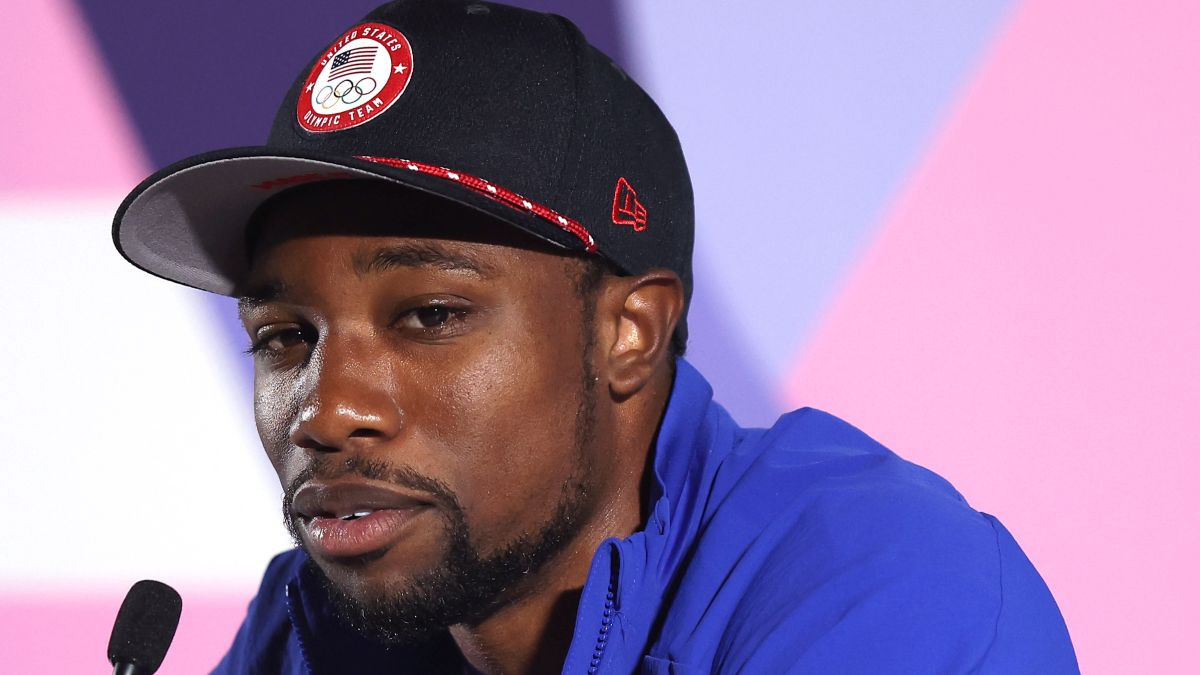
(434, 320)
(431, 317)
(275, 342)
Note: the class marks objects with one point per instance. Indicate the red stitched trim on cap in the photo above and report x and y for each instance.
(502, 195)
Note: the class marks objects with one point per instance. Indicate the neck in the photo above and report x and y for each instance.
(531, 633)
(532, 637)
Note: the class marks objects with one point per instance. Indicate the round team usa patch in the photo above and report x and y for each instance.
(357, 78)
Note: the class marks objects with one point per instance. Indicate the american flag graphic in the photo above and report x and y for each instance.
(353, 62)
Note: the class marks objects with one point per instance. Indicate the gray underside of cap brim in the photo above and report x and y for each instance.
(190, 226)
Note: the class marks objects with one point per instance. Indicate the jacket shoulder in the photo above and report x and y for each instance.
(836, 555)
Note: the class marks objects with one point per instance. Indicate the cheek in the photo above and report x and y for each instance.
(275, 407)
(509, 416)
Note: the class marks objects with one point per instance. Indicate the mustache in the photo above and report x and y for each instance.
(330, 469)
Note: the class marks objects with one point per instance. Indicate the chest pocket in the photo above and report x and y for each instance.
(652, 665)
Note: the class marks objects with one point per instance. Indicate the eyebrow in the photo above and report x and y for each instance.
(381, 260)
(411, 255)
(261, 295)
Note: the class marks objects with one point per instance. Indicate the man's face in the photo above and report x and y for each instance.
(423, 390)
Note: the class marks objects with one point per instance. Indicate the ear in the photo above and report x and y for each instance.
(643, 310)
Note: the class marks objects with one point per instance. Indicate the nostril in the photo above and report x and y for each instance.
(309, 442)
(366, 433)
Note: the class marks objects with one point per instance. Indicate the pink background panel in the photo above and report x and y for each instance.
(69, 130)
(1026, 322)
(69, 634)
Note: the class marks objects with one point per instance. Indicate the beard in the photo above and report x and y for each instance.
(466, 585)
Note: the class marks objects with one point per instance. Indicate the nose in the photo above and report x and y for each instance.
(350, 402)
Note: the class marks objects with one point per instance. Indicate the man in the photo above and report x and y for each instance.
(463, 264)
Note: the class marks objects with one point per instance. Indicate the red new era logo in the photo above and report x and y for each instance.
(627, 210)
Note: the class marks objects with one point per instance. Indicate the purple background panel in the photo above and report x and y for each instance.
(800, 121)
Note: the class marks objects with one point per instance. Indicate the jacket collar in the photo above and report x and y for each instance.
(630, 578)
(684, 442)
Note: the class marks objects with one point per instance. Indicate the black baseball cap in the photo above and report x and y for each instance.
(507, 111)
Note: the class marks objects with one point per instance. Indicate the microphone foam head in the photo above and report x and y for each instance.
(145, 625)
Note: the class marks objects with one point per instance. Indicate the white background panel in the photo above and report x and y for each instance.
(128, 440)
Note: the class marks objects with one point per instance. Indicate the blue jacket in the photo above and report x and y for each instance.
(804, 548)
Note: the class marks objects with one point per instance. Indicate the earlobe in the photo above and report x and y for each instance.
(646, 309)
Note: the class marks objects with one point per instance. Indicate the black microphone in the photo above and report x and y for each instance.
(144, 628)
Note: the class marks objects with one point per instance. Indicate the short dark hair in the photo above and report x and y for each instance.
(591, 270)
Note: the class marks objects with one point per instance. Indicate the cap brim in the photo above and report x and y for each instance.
(187, 223)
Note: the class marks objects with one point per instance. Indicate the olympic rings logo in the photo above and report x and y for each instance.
(346, 92)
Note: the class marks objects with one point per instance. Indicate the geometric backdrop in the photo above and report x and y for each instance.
(968, 228)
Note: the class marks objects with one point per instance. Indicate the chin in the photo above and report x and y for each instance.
(393, 606)
(375, 576)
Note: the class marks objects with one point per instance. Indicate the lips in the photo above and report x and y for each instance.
(354, 519)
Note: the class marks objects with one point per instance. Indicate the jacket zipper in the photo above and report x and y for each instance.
(605, 626)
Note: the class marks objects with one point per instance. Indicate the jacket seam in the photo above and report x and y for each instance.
(1000, 591)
